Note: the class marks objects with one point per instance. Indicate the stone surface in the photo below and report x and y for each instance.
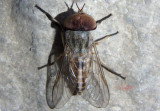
(26, 40)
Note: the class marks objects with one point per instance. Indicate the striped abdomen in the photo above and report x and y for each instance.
(80, 68)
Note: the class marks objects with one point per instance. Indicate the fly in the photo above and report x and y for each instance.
(80, 71)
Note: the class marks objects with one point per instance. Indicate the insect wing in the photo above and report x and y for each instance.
(96, 92)
(57, 91)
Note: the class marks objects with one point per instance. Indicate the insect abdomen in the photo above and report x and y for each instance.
(80, 85)
(80, 68)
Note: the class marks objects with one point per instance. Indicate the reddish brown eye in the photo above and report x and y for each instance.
(80, 21)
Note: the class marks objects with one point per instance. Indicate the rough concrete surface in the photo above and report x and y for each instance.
(26, 39)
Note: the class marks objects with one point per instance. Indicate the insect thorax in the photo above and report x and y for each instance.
(78, 41)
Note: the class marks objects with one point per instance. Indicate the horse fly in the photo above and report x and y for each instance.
(80, 70)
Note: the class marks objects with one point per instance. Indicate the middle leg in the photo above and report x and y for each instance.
(105, 37)
(52, 62)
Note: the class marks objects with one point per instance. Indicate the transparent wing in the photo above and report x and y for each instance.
(96, 92)
(57, 90)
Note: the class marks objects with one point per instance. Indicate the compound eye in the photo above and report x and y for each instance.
(80, 22)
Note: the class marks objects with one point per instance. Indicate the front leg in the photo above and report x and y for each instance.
(49, 16)
(104, 18)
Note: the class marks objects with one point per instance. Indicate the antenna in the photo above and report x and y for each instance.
(77, 7)
(82, 7)
(80, 10)
(68, 6)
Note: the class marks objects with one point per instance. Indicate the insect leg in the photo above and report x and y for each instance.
(49, 16)
(104, 18)
(111, 71)
(51, 63)
(105, 37)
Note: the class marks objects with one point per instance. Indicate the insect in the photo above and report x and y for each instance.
(80, 71)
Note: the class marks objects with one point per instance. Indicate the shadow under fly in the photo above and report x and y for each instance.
(74, 67)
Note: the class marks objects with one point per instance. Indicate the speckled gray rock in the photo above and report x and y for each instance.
(26, 40)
